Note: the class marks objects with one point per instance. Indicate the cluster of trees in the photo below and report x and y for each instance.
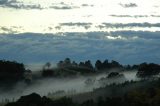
(144, 69)
(11, 72)
(107, 65)
(148, 70)
(68, 63)
(72, 68)
(99, 65)
(131, 67)
(67, 68)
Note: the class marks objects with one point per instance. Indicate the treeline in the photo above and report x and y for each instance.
(12, 72)
(148, 95)
(69, 67)
(99, 65)
(147, 70)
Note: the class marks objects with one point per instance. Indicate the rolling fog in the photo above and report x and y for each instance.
(65, 86)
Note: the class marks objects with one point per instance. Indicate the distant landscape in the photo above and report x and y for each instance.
(71, 83)
(79, 52)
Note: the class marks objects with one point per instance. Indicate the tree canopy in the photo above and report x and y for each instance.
(11, 72)
(148, 70)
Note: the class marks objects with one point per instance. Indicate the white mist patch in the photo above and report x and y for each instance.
(70, 86)
(130, 75)
(50, 85)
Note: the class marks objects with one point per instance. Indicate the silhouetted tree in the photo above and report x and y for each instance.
(88, 64)
(106, 64)
(47, 72)
(47, 66)
(98, 64)
(81, 64)
(74, 64)
(11, 72)
(115, 64)
(60, 64)
(67, 61)
(148, 70)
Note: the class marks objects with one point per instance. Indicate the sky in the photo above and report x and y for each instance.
(37, 31)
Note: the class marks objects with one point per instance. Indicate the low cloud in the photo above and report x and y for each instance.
(155, 15)
(62, 7)
(15, 4)
(129, 5)
(18, 5)
(134, 16)
(12, 29)
(75, 24)
(22, 6)
(78, 24)
(127, 25)
(87, 5)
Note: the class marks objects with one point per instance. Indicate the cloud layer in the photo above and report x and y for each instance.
(124, 46)
(85, 27)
